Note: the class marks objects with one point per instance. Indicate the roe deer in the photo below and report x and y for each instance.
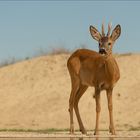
(97, 69)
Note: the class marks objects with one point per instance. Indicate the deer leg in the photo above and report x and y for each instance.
(110, 108)
(98, 109)
(75, 87)
(79, 94)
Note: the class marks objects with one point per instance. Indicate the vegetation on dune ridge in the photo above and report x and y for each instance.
(55, 51)
(42, 52)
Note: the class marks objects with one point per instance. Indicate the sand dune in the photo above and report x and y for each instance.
(34, 94)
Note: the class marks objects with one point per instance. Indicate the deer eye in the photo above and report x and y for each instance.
(109, 44)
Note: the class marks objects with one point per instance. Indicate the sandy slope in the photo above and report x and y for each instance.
(34, 94)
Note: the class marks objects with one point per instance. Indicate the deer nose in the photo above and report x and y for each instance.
(102, 51)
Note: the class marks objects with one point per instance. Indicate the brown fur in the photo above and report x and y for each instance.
(89, 68)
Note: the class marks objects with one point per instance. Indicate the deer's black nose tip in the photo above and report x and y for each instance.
(102, 51)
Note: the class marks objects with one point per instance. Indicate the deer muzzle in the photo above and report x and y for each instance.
(102, 51)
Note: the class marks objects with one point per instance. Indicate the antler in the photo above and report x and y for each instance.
(103, 32)
(109, 29)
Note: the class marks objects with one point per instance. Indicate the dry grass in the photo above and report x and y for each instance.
(9, 61)
(51, 130)
(59, 51)
(41, 52)
(44, 52)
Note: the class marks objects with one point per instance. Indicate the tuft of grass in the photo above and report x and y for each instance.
(60, 50)
(52, 51)
(126, 54)
(122, 54)
(134, 128)
(10, 61)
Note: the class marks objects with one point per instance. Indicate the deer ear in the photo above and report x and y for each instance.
(95, 33)
(116, 32)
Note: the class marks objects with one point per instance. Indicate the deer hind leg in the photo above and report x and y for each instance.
(79, 94)
(98, 109)
(110, 108)
(75, 87)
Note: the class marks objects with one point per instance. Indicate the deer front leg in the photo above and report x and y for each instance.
(110, 108)
(98, 109)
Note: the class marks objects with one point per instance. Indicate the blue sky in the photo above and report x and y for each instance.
(29, 26)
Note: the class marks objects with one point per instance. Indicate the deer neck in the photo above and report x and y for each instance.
(111, 68)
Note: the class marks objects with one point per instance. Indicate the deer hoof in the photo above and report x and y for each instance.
(83, 131)
(112, 131)
(96, 133)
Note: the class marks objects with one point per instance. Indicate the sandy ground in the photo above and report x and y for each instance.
(103, 134)
(34, 94)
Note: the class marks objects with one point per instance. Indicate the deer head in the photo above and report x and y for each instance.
(106, 42)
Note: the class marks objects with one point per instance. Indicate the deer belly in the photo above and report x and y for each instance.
(105, 85)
